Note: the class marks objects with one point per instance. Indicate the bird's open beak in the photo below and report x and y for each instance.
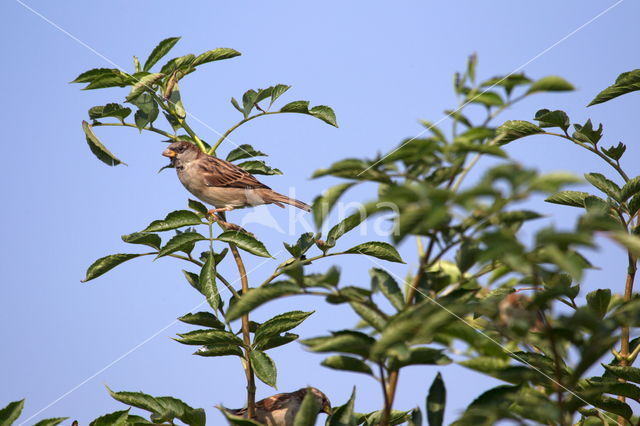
(326, 408)
(169, 153)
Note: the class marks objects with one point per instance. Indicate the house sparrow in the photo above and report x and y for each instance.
(281, 409)
(221, 183)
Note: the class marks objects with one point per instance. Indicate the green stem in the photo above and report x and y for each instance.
(279, 272)
(215, 146)
(150, 129)
(191, 133)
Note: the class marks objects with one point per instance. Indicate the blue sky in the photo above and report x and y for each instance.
(380, 66)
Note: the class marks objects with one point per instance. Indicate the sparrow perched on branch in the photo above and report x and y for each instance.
(281, 409)
(221, 183)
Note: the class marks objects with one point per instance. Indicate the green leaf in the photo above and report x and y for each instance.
(381, 279)
(208, 282)
(109, 110)
(325, 114)
(604, 185)
(277, 91)
(384, 251)
(631, 374)
(347, 363)
(219, 350)
(208, 337)
(630, 242)
(238, 420)
(436, 401)
(198, 206)
(181, 242)
(343, 415)
(569, 198)
(323, 204)
(516, 129)
(98, 149)
(346, 341)
(557, 118)
(264, 367)
(256, 167)
(279, 324)
(301, 107)
(372, 316)
(218, 54)
(105, 264)
(206, 319)
(304, 243)
(276, 341)
(147, 239)
(625, 83)
(586, 133)
(11, 412)
(244, 241)
(630, 189)
(258, 296)
(421, 356)
(182, 63)
(615, 152)
(94, 74)
(174, 220)
(487, 98)
(113, 78)
(598, 302)
(159, 52)
(51, 422)
(308, 412)
(143, 84)
(345, 226)
(353, 168)
(244, 151)
(163, 409)
(550, 84)
(117, 418)
(147, 112)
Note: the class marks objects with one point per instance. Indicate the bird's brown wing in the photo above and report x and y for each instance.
(221, 173)
(275, 402)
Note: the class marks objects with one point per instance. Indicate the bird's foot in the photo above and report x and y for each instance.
(228, 225)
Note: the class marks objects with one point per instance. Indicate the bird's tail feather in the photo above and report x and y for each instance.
(278, 199)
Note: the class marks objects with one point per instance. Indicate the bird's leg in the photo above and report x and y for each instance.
(227, 225)
(222, 209)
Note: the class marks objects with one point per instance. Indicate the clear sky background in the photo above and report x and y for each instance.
(380, 65)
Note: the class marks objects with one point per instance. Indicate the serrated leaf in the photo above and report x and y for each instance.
(163, 409)
(604, 185)
(238, 420)
(550, 84)
(256, 167)
(105, 264)
(436, 401)
(421, 356)
(244, 241)
(569, 198)
(244, 151)
(325, 114)
(323, 204)
(598, 301)
(516, 129)
(198, 206)
(182, 63)
(117, 418)
(485, 98)
(115, 78)
(159, 52)
(94, 74)
(370, 315)
(207, 282)
(174, 220)
(219, 350)
(382, 280)
(344, 226)
(264, 367)
(630, 189)
(347, 363)
(276, 341)
(346, 341)
(615, 152)
(626, 82)
(181, 242)
(304, 243)
(344, 415)
(11, 412)
(384, 251)
(206, 319)
(277, 91)
(208, 337)
(586, 132)
(218, 54)
(51, 422)
(557, 118)
(98, 149)
(109, 110)
(145, 83)
(147, 239)
(279, 324)
(301, 107)
(257, 296)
